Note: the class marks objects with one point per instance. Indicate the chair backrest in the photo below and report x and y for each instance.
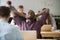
(29, 35)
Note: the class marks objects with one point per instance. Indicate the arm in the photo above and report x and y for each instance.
(20, 14)
(23, 15)
(40, 13)
(17, 20)
(15, 11)
(44, 17)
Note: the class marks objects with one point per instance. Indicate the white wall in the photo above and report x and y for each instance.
(36, 5)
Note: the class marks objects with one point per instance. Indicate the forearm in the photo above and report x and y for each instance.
(42, 20)
(42, 12)
(20, 14)
(38, 15)
(23, 15)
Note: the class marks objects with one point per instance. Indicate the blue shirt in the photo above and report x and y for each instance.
(9, 32)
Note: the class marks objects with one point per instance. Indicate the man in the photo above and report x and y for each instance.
(7, 31)
(12, 9)
(21, 15)
(21, 11)
(9, 4)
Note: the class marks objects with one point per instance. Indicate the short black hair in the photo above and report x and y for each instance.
(43, 8)
(21, 6)
(9, 2)
(4, 11)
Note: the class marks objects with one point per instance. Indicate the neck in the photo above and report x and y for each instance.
(3, 18)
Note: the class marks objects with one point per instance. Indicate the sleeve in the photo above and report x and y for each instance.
(17, 20)
(41, 21)
(14, 34)
(13, 8)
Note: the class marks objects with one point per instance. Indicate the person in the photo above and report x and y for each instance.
(8, 31)
(21, 15)
(48, 21)
(36, 25)
(12, 9)
(9, 4)
(21, 11)
(32, 16)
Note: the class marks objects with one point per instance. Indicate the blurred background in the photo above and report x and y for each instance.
(36, 5)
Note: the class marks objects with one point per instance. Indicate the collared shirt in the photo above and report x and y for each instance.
(9, 32)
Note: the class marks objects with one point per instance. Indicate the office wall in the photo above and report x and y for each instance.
(36, 5)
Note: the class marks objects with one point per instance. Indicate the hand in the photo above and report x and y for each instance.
(43, 11)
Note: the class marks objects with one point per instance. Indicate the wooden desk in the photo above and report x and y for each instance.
(46, 31)
(50, 34)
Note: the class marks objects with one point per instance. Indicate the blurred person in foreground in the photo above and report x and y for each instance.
(8, 31)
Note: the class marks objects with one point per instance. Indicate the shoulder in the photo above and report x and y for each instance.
(12, 7)
(13, 27)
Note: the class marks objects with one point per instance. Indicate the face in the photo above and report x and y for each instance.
(20, 10)
(8, 5)
(31, 13)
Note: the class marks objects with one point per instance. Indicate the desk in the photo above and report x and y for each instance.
(50, 34)
(46, 31)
